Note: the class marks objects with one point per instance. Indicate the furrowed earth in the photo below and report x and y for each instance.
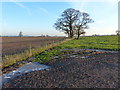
(75, 69)
(14, 45)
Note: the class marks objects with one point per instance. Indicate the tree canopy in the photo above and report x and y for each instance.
(73, 22)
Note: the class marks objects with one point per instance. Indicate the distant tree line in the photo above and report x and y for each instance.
(73, 22)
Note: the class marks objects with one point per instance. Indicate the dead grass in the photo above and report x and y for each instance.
(12, 59)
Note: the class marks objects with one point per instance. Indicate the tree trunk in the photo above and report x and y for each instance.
(78, 36)
(71, 29)
(71, 36)
(72, 33)
(68, 34)
(78, 33)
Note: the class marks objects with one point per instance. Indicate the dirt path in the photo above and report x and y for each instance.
(81, 69)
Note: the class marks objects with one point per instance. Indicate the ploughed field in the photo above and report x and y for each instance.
(15, 45)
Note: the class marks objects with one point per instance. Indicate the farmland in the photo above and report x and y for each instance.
(60, 44)
(14, 45)
(15, 49)
(74, 66)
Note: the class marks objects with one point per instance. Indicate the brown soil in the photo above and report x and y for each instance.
(14, 45)
(98, 70)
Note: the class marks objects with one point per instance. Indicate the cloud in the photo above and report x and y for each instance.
(81, 4)
(19, 4)
(43, 10)
(22, 6)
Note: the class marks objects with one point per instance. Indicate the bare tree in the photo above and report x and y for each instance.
(82, 23)
(66, 22)
(73, 22)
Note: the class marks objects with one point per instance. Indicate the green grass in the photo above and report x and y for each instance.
(97, 42)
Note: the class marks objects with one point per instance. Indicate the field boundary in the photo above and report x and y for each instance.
(12, 59)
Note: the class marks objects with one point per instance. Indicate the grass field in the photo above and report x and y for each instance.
(97, 42)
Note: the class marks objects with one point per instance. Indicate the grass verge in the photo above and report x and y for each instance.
(96, 42)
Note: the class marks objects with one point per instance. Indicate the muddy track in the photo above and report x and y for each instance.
(98, 70)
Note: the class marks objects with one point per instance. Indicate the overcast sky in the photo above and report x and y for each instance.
(36, 18)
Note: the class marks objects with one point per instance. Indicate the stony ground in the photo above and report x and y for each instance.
(79, 69)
